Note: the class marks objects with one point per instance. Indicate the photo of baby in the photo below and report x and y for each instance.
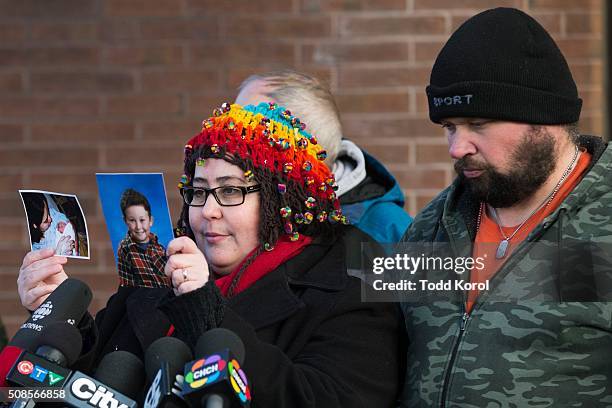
(56, 221)
(138, 221)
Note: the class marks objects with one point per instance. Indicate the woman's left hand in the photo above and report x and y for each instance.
(186, 267)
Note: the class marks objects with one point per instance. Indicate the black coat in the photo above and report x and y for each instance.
(309, 340)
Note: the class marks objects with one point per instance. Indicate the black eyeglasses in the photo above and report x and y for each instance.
(226, 196)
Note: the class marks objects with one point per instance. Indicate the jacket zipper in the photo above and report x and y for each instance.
(462, 324)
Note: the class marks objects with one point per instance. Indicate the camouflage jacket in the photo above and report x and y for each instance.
(551, 351)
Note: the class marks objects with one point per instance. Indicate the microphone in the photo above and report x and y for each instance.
(67, 303)
(216, 380)
(58, 347)
(117, 382)
(164, 359)
(123, 371)
(119, 374)
(60, 343)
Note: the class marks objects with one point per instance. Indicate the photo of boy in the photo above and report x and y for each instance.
(141, 258)
(138, 221)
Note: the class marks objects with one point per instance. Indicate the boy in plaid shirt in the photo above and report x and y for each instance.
(141, 258)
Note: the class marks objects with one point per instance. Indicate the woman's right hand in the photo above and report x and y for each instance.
(40, 273)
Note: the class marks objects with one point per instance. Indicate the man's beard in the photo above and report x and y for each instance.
(532, 162)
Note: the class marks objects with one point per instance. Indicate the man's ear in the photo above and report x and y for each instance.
(151, 221)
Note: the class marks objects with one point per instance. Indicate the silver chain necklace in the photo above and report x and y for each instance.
(502, 248)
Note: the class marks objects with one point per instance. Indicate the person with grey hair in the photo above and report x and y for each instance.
(370, 196)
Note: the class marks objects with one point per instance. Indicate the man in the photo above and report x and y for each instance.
(530, 199)
(370, 197)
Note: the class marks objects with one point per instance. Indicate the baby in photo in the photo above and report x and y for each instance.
(63, 228)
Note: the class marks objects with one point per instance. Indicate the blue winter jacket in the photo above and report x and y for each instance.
(381, 216)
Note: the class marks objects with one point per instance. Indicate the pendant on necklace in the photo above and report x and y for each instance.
(501, 249)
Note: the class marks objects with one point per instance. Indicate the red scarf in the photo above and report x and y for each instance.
(263, 264)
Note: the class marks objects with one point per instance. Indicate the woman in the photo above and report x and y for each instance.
(264, 256)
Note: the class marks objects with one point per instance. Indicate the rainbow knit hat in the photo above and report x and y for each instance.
(268, 138)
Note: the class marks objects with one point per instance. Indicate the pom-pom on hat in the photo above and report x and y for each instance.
(267, 139)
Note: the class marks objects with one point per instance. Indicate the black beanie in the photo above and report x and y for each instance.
(502, 64)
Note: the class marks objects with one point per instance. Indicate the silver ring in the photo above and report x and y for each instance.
(184, 275)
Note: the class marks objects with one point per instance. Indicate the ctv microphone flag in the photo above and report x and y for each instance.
(31, 370)
(58, 341)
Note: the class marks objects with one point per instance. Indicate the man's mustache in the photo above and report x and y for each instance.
(469, 163)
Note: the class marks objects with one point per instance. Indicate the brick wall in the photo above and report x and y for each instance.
(103, 86)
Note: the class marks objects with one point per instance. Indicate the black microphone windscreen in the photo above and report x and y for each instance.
(63, 337)
(67, 303)
(218, 339)
(169, 349)
(122, 371)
